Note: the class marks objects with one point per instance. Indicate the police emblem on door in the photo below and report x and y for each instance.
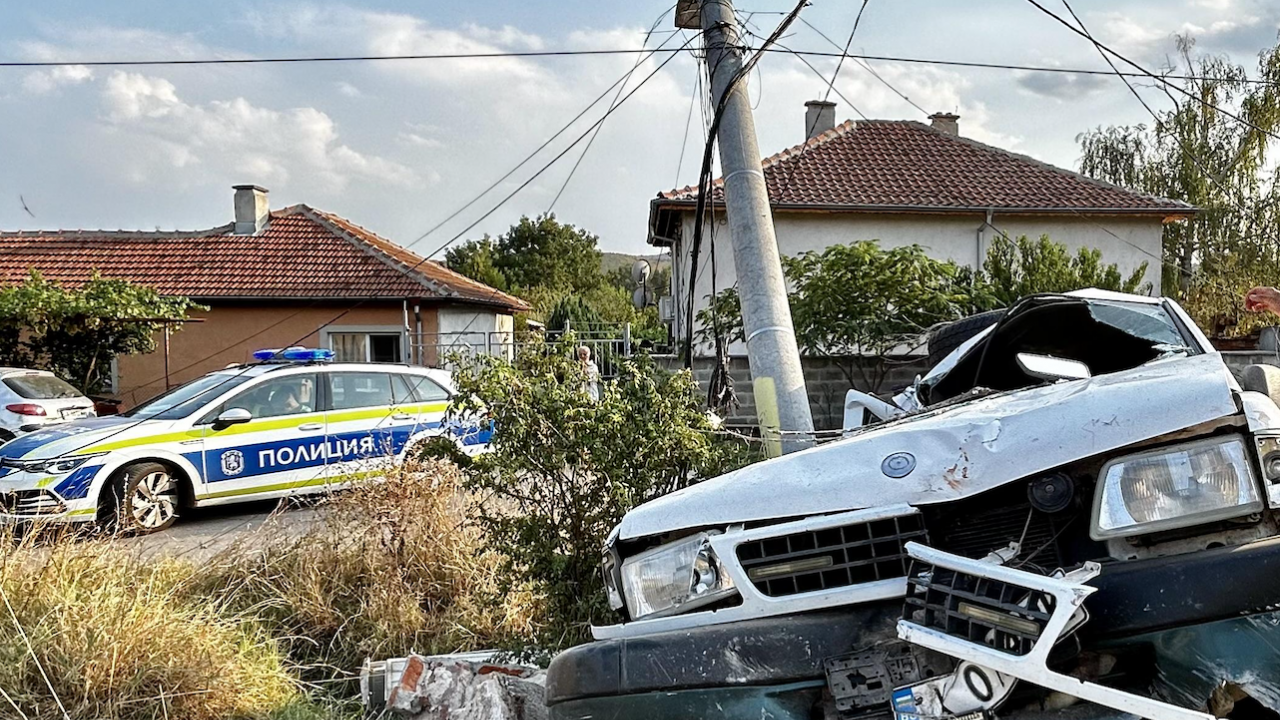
(232, 462)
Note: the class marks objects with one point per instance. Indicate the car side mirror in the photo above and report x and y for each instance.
(232, 416)
(1047, 367)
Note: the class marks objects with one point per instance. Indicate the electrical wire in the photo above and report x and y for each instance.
(1187, 152)
(866, 66)
(588, 53)
(445, 245)
(704, 183)
(626, 78)
(1107, 51)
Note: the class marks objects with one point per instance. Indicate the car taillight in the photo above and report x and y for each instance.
(25, 409)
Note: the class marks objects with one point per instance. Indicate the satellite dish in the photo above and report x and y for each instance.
(642, 297)
(640, 272)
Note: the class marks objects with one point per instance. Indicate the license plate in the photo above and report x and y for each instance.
(74, 414)
(904, 704)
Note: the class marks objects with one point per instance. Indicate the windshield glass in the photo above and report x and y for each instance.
(41, 387)
(184, 400)
(1149, 322)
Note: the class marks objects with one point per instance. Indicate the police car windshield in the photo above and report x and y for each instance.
(184, 400)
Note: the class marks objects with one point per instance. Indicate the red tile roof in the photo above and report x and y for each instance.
(303, 253)
(895, 166)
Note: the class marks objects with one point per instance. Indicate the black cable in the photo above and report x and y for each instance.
(865, 66)
(704, 187)
(652, 29)
(415, 266)
(574, 53)
(1105, 51)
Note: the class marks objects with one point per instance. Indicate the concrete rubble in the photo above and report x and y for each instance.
(456, 687)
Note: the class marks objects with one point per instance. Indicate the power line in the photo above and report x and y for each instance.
(1105, 51)
(626, 78)
(865, 66)
(456, 237)
(587, 53)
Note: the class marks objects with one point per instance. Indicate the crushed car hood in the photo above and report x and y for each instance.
(956, 451)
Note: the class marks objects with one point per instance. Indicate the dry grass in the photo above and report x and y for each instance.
(118, 642)
(273, 628)
(394, 567)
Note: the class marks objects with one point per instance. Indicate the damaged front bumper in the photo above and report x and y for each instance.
(1008, 621)
(1188, 613)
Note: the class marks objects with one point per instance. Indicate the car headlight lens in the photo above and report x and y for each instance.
(56, 466)
(674, 578)
(1175, 487)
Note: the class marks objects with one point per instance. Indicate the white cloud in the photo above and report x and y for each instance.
(40, 82)
(237, 137)
(506, 36)
(419, 140)
(348, 90)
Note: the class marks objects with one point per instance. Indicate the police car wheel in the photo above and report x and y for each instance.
(146, 497)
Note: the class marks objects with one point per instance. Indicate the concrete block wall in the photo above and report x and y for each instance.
(826, 382)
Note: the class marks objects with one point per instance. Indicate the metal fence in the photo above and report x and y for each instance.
(610, 343)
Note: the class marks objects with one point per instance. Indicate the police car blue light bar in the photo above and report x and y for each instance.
(294, 354)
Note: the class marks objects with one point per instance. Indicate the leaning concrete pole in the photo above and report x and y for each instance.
(782, 402)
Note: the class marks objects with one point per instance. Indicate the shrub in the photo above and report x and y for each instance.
(389, 569)
(118, 642)
(563, 469)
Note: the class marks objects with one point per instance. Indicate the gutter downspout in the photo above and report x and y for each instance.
(982, 238)
(417, 330)
(406, 354)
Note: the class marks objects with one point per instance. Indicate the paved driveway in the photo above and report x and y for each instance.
(201, 532)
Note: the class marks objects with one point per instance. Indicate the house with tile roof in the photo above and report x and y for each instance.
(294, 276)
(904, 183)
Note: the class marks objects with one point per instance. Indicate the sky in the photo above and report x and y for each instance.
(398, 146)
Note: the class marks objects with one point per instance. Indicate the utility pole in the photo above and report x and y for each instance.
(782, 402)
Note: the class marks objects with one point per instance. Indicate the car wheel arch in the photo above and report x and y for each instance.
(182, 471)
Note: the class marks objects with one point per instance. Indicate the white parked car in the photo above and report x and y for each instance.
(292, 424)
(33, 399)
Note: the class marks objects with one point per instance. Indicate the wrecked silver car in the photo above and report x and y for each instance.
(1074, 511)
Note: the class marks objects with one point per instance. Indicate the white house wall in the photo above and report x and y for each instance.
(1127, 242)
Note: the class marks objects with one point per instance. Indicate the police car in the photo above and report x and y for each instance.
(292, 423)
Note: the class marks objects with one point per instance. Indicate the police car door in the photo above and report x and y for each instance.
(280, 450)
(433, 403)
(360, 423)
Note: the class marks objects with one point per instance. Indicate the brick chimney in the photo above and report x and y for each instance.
(819, 117)
(252, 209)
(948, 123)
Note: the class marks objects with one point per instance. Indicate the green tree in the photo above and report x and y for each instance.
(563, 470)
(1196, 153)
(77, 333)
(1015, 268)
(474, 259)
(539, 252)
(858, 303)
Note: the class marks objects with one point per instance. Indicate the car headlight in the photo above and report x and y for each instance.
(1269, 452)
(674, 578)
(1175, 487)
(56, 466)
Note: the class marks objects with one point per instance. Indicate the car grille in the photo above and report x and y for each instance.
(31, 502)
(832, 557)
(1000, 615)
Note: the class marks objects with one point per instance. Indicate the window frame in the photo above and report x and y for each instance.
(333, 374)
(211, 413)
(327, 333)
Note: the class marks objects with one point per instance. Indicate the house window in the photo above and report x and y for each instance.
(366, 345)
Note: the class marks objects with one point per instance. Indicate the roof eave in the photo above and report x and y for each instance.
(1174, 213)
